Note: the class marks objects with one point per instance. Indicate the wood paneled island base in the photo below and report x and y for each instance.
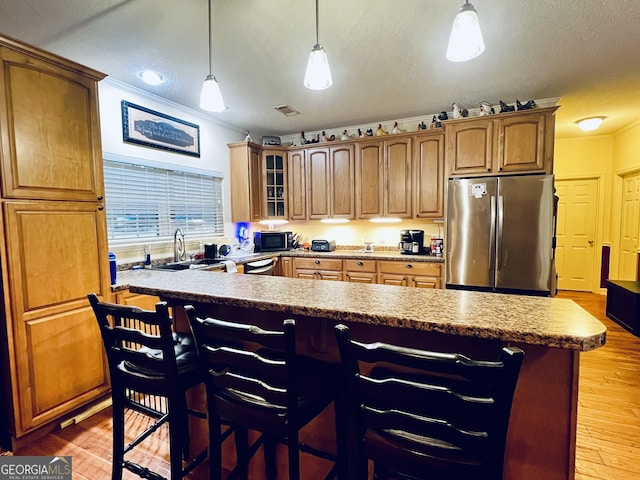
(552, 333)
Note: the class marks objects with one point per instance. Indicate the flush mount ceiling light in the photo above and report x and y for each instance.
(318, 74)
(150, 77)
(590, 124)
(211, 96)
(465, 41)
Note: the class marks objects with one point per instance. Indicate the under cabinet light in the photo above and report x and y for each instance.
(334, 220)
(385, 220)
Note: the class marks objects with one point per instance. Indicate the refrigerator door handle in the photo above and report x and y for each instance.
(492, 236)
(500, 223)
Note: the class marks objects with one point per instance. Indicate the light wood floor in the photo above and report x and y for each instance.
(608, 444)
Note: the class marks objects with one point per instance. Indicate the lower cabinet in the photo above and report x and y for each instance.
(387, 272)
(318, 268)
(147, 302)
(360, 271)
(410, 274)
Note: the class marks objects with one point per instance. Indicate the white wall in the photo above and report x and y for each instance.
(214, 154)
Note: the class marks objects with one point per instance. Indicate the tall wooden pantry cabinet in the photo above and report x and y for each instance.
(53, 242)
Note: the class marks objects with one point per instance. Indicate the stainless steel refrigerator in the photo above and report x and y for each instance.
(501, 234)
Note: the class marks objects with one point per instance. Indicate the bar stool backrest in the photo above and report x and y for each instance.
(423, 414)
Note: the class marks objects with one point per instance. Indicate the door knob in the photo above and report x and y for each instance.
(591, 242)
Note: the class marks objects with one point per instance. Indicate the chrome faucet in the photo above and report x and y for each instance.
(179, 250)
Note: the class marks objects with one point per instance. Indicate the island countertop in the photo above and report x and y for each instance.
(549, 322)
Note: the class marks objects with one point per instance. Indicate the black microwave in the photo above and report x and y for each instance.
(272, 241)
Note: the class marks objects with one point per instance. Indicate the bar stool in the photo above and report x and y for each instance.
(424, 415)
(256, 381)
(147, 360)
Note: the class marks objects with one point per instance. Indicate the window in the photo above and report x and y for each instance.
(147, 202)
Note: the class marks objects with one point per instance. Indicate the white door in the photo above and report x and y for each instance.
(629, 227)
(576, 233)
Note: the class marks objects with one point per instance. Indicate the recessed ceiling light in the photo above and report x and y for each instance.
(590, 124)
(150, 77)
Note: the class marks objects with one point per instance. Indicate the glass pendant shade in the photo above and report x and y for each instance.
(466, 40)
(318, 74)
(211, 96)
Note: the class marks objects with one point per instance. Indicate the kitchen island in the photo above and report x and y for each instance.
(552, 332)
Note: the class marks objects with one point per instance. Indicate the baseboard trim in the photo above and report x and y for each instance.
(86, 413)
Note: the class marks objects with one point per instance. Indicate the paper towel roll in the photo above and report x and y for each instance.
(231, 266)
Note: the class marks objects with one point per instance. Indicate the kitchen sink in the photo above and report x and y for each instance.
(187, 264)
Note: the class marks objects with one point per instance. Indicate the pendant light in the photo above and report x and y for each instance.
(318, 74)
(211, 96)
(465, 41)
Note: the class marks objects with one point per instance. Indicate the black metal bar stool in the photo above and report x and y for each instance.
(424, 415)
(147, 359)
(256, 381)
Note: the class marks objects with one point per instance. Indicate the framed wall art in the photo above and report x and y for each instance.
(153, 129)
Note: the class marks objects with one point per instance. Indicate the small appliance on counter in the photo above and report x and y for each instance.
(272, 241)
(323, 245)
(412, 242)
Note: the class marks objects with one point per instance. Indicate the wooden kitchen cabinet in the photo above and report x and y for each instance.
(284, 267)
(245, 173)
(383, 178)
(315, 268)
(54, 249)
(410, 274)
(330, 182)
(505, 143)
(147, 302)
(428, 175)
(297, 184)
(275, 183)
(360, 271)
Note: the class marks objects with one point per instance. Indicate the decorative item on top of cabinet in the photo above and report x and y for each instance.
(52, 198)
(508, 143)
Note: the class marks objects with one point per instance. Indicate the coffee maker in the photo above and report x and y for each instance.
(412, 242)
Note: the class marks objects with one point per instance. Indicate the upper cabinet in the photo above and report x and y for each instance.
(330, 182)
(245, 167)
(52, 150)
(383, 178)
(398, 175)
(297, 184)
(273, 166)
(428, 175)
(505, 143)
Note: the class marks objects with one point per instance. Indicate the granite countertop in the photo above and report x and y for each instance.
(551, 322)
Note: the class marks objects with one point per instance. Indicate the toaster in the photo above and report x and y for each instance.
(323, 245)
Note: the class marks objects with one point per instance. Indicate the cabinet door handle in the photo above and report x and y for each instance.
(100, 207)
(360, 264)
(408, 265)
(317, 262)
(100, 198)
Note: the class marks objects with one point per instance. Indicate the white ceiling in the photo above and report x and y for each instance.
(387, 57)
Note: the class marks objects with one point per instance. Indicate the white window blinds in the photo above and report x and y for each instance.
(145, 203)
